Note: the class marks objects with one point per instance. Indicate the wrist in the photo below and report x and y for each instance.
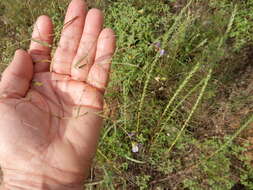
(21, 181)
(28, 185)
(24, 185)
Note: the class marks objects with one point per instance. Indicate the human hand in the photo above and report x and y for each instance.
(50, 121)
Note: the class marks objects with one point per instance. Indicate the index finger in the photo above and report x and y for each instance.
(40, 47)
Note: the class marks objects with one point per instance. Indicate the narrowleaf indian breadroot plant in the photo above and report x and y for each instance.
(169, 116)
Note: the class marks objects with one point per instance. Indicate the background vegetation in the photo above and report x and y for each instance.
(179, 108)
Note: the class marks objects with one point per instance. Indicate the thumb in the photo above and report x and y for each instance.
(17, 76)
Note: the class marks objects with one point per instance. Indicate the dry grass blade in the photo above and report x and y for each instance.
(41, 42)
(70, 22)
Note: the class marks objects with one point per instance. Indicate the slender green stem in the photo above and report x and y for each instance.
(145, 92)
(180, 88)
(193, 109)
(175, 109)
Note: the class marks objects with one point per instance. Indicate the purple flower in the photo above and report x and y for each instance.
(135, 147)
(132, 134)
(162, 52)
(158, 48)
(157, 44)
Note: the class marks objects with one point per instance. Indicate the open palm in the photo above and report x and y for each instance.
(50, 118)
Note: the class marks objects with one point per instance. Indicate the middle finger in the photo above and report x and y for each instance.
(70, 37)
